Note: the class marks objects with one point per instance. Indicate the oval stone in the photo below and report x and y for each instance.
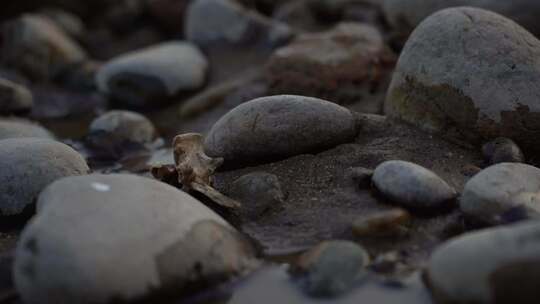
(411, 185)
(157, 72)
(503, 193)
(28, 165)
(122, 238)
(450, 60)
(500, 265)
(278, 127)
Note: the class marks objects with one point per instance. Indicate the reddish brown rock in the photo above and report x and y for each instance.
(345, 65)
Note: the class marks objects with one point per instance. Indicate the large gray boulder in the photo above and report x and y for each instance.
(28, 165)
(154, 73)
(470, 74)
(105, 238)
(282, 126)
(405, 15)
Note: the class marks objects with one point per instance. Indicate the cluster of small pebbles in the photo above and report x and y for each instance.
(257, 151)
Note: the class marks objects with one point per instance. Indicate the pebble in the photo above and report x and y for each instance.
(405, 15)
(259, 193)
(115, 130)
(153, 74)
(28, 165)
(16, 128)
(40, 48)
(361, 176)
(412, 186)
(226, 21)
(502, 150)
(331, 269)
(277, 127)
(343, 65)
(503, 193)
(498, 265)
(432, 87)
(14, 98)
(122, 238)
(383, 223)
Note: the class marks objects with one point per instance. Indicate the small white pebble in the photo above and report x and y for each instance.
(101, 187)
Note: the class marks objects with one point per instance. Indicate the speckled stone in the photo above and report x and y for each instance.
(411, 185)
(151, 238)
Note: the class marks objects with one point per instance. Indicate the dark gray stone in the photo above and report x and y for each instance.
(14, 98)
(500, 265)
(28, 165)
(274, 127)
(152, 74)
(412, 186)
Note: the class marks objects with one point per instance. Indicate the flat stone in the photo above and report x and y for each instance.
(498, 265)
(275, 127)
(411, 185)
(153, 74)
(432, 87)
(503, 193)
(28, 165)
(123, 238)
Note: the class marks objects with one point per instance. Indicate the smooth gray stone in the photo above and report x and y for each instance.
(498, 265)
(503, 193)
(470, 74)
(105, 238)
(28, 165)
(411, 185)
(275, 127)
